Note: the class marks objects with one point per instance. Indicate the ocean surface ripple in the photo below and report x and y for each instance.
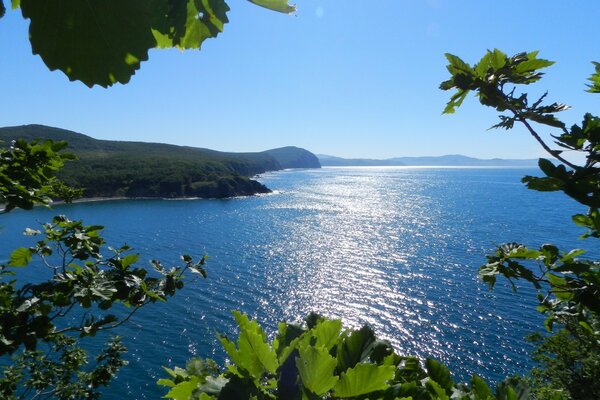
(395, 248)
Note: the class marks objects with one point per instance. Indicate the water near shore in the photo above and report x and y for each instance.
(397, 248)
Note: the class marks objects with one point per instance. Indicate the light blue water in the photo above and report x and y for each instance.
(397, 248)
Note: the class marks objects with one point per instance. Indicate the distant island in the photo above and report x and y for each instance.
(108, 168)
(446, 161)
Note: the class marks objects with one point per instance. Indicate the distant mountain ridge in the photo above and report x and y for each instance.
(108, 168)
(454, 160)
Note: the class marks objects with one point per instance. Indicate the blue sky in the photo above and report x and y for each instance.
(350, 78)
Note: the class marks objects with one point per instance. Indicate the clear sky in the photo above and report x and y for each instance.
(352, 78)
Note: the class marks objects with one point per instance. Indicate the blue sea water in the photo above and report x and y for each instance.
(393, 247)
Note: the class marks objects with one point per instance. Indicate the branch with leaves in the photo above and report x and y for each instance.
(568, 285)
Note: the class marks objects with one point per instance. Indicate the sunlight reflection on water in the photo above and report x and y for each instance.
(394, 248)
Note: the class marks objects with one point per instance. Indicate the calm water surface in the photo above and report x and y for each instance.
(396, 248)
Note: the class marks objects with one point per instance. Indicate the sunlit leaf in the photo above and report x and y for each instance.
(276, 5)
(190, 22)
(316, 366)
(363, 379)
(20, 257)
(594, 87)
(183, 390)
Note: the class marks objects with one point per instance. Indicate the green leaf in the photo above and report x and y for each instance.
(363, 379)
(316, 368)
(275, 5)
(327, 333)
(355, 348)
(2, 9)
(129, 259)
(439, 373)
(457, 65)
(532, 64)
(191, 22)
(481, 389)
(436, 390)
(20, 257)
(594, 87)
(586, 326)
(497, 59)
(556, 281)
(253, 354)
(98, 42)
(183, 390)
(165, 382)
(572, 255)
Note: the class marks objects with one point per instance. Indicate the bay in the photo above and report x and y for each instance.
(397, 248)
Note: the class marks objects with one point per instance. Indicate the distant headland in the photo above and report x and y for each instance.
(455, 160)
(108, 168)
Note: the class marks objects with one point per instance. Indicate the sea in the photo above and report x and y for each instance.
(397, 248)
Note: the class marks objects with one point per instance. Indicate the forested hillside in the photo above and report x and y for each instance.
(108, 168)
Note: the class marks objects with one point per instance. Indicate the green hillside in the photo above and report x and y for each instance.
(109, 168)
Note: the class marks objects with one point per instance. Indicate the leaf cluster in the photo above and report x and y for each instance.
(77, 286)
(321, 360)
(64, 375)
(80, 276)
(28, 174)
(102, 42)
(571, 284)
(568, 286)
(568, 365)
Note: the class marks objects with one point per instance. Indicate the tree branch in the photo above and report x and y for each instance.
(537, 137)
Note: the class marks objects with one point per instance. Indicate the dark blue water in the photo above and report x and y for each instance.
(396, 248)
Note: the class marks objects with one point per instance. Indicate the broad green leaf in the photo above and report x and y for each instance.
(190, 22)
(20, 257)
(15, 4)
(594, 87)
(355, 348)
(481, 389)
(437, 392)
(524, 253)
(276, 5)
(483, 65)
(363, 379)
(253, 345)
(572, 254)
(287, 332)
(457, 65)
(455, 101)
(327, 333)
(316, 368)
(129, 259)
(532, 64)
(183, 390)
(497, 59)
(439, 373)
(556, 281)
(98, 42)
(253, 354)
